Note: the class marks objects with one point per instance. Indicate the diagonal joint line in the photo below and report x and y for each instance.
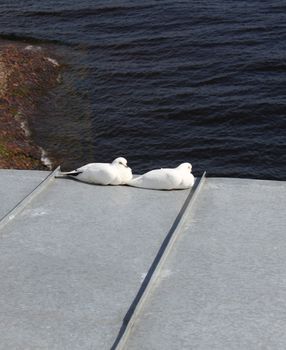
(26, 200)
(156, 266)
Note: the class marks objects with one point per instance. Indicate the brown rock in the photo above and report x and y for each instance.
(25, 76)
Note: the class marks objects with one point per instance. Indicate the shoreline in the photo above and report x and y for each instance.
(27, 73)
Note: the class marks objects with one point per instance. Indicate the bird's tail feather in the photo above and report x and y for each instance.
(135, 181)
(69, 173)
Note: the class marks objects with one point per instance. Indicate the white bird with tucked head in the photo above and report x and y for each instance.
(166, 178)
(115, 173)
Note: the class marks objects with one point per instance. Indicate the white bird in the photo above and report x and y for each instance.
(165, 179)
(115, 173)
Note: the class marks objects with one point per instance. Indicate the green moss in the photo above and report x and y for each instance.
(4, 153)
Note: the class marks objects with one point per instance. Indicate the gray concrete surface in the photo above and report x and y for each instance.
(73, 260)
(15, 185)
(224, 284)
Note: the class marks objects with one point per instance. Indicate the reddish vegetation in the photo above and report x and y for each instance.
(25, 76)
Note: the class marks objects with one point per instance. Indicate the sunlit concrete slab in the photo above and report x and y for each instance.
(223, 285)
(72, 261)
(16, 185)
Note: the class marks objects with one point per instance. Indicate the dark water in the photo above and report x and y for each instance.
(162, 82)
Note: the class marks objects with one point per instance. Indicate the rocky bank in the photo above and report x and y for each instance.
(27, 73)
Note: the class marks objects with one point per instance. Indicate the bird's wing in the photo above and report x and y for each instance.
(159, 179)
(77, 171)
(98, 173)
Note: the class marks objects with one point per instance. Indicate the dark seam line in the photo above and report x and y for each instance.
(154, 264)
(27, 199)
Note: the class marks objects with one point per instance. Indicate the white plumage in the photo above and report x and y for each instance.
(115, 173)
(166, 178)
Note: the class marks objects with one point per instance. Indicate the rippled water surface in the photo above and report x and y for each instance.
(162, 82)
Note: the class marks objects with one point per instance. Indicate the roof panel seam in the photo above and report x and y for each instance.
(17, 209)
(156, 266)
